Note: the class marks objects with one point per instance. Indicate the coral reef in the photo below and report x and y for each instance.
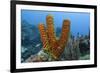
(64, 45)
(54, 46)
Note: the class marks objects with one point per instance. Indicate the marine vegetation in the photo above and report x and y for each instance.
(51, 44)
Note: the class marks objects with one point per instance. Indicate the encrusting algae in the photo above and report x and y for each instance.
(48, 37)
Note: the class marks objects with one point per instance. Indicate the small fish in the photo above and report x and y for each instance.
(37, 45)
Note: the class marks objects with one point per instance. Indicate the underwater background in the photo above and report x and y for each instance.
(30, 37)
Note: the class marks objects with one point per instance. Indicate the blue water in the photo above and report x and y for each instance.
(80, 22)
(30, 36)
